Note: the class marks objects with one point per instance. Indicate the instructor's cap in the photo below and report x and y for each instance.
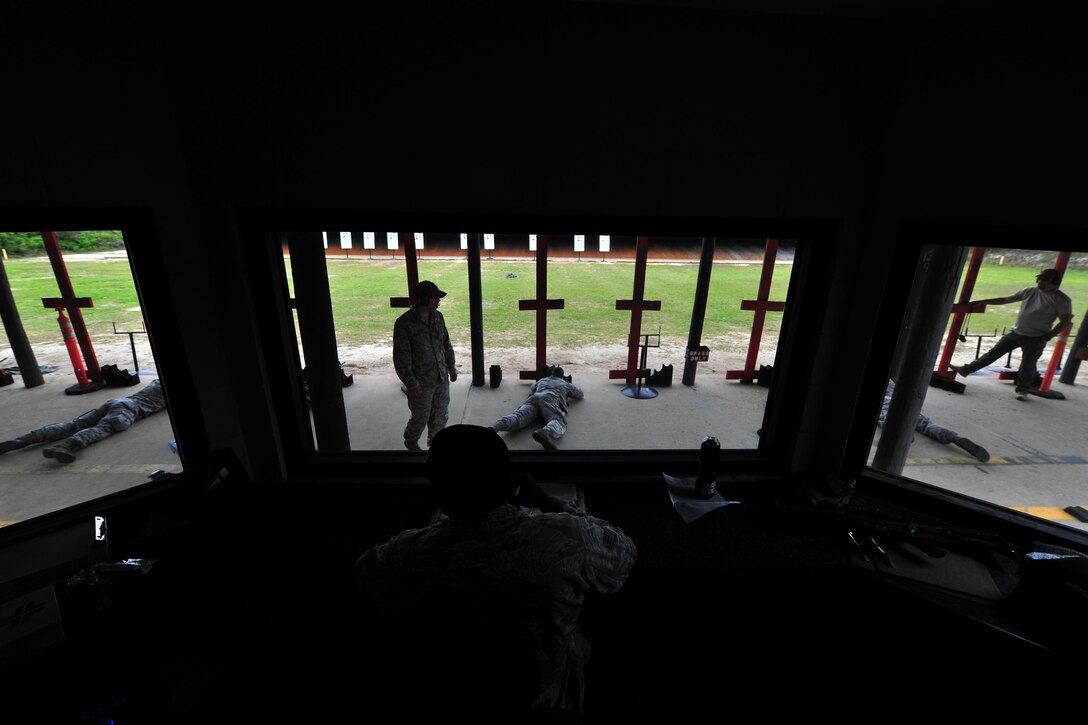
(429, 290)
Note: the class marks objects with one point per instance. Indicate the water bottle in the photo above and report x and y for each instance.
(706, 481)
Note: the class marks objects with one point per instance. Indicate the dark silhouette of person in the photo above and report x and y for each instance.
(483, 603)
(113, 416)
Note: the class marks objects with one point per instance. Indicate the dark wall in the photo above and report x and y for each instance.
(541, 109)
(187, 115)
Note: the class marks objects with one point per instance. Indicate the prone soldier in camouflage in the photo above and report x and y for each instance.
(113, 416)
(924, 425)
(547, 403)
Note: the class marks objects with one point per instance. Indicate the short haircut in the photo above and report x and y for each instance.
(468, 467)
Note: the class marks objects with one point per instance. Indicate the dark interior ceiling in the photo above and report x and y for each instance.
(835, 8)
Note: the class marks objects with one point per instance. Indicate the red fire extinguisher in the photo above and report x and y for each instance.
(69, 335)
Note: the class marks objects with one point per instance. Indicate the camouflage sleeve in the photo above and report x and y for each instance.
(402, 353)
(369, 580)
(610, 554)
(150, 399)
(372, 578)
(451, 361)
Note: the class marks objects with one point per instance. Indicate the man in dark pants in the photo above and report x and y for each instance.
(424, 361)
(483, 604)
(113, 416)
(1035, 325)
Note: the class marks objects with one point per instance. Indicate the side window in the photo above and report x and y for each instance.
(84, 411)
(985, 395)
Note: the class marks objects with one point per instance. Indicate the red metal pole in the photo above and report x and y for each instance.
(769, 254)
(411, 266)
(540, 305)
(1063, 261)
(60, 271)
(1055, 358)
(1059, 348)
(943, 368)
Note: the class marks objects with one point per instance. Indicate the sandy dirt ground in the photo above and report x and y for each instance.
(725, 355)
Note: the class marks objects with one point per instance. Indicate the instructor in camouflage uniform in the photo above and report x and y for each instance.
(424, 361)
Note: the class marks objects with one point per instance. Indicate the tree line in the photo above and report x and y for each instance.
(29, 244)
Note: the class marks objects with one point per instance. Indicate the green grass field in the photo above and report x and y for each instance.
(361, 290)
(589, 290)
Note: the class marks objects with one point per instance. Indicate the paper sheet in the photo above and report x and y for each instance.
(687, 504)
(566, 492)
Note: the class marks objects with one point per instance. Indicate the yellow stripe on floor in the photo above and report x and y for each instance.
(1053, 513)
(998, 461)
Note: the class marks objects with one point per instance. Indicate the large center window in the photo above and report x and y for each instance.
(667, 339)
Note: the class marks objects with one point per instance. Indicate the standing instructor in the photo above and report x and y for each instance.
(424, 361)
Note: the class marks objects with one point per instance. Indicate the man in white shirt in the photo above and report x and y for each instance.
(1035, 325)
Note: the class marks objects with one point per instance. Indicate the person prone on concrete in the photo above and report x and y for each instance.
(937, 432)
(113, 416)
(547, 403)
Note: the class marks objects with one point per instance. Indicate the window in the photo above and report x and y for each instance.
(75, 337)
(671, 337)
(970, 434)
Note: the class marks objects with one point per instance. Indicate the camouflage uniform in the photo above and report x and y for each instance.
(485, 608)
(922, 424)
(547, 402)
(937, 432)
(113, 416)
(423, 355)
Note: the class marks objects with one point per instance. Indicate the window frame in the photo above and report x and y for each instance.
(146, 263)
(910, 242)
(260, 229)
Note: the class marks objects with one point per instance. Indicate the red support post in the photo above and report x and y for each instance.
(540, 305)
(1059, 347)
(761, 306)
(636, 305)
(411, 268)
(71, 302)
(959, 310)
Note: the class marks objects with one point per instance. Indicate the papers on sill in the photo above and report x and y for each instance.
(566, 492)
(687, 504)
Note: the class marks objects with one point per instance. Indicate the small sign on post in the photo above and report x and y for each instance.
(698, 354)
